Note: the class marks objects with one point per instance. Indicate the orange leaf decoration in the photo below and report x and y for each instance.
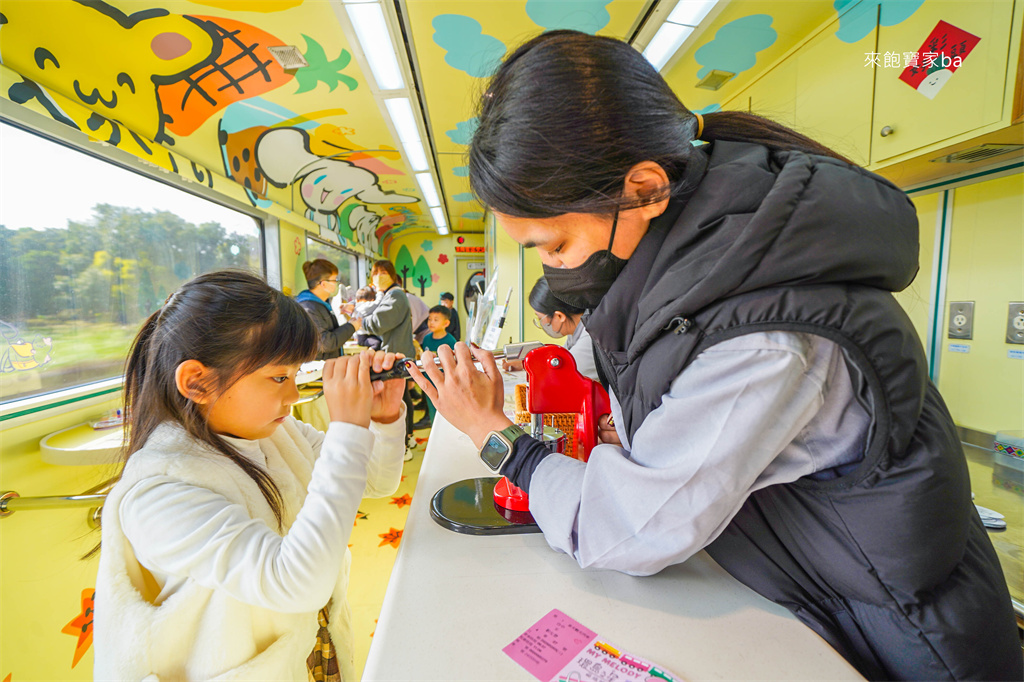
(392, 537)
(402, 501)
(81, 626)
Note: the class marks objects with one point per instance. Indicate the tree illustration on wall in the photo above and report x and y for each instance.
(421, 275)
(403, 264)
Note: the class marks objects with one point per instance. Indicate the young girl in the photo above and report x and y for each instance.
(224, 548)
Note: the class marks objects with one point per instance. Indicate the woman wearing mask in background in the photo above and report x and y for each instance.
(322, 279)
(771, 397)
(391, 320)
(559, 320)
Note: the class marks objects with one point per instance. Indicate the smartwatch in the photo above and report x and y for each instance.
(497, 447)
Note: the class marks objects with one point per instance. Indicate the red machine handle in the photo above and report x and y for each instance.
(555, 385)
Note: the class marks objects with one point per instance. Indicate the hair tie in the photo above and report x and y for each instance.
(700, 125)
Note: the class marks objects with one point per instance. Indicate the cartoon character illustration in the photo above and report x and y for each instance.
(933, 82)
(115, 71)
(283, 157)
(20, 354)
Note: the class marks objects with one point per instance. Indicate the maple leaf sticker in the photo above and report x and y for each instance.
(392, 537)
(81, 626)
(402, 501)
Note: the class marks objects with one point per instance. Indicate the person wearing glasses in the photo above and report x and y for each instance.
(559, 319)
(322, 280)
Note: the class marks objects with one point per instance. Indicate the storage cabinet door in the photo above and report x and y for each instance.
(971, 97)
(833, 92)
(774, 94)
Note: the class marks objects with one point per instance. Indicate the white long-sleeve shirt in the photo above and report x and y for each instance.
(753, 411)
(180, 531)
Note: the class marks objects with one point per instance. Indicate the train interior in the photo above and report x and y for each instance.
(143, 142)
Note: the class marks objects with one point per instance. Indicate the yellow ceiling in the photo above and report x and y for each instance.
(190, 86)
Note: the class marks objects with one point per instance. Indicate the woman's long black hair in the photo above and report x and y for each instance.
(545, 303)
(568, 114)
(232, 322)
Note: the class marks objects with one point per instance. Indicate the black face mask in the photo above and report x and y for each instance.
(584, 286)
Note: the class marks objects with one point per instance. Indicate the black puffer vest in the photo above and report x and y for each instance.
(889, 562)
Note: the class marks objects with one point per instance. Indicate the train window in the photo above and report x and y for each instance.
(348, 267)
(88, 250)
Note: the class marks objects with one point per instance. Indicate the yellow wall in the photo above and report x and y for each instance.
(439, 254)
(985, 388)
(293, 255)
(41, 574)
(917, 298)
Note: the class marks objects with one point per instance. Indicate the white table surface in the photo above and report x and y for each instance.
(455, 601)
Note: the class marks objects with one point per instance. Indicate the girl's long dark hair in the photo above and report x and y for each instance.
(568, 114)
(543, 301)
(233, 323)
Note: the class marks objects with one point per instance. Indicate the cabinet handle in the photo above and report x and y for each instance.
(886, 131)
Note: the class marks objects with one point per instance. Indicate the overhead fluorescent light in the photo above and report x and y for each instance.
(438, 214)
(400, 111)
(665, 43)
(681, 22)
(691, 12)
(426, 183)
(375, 39)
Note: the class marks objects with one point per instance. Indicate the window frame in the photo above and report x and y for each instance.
(16, 412)
(361, 258)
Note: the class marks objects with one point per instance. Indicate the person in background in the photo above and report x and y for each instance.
(771, 398)
(455, 328)
(438, 323)
(366, 301)
(419, 311)
(392, 322)
(558, 320)
(322, 279)
(224, 545)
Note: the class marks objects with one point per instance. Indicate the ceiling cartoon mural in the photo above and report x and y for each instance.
(283, 157)
(194, 87)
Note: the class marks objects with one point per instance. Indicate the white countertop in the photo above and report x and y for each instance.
(454, 601)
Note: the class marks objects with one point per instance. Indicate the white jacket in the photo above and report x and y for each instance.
(216, 605)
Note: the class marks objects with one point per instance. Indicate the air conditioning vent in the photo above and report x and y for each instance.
(715, 79)
(288, 56)
(979, 153)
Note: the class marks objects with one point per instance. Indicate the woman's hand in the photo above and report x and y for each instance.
(606, 432)
(387, 395)
(347, 388)
(469, 399)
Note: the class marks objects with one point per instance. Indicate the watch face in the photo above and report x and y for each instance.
(494, 451)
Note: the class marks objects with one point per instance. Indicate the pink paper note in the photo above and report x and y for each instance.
(553, 642)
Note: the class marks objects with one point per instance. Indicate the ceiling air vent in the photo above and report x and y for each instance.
(979, 153)
(715, 79)
(288, 56)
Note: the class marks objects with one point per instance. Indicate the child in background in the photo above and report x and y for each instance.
(224, 546)
(437, 322)
(366, 301)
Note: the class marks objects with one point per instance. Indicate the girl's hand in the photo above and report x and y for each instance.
(469, 399)
(606, 432)
(347, 388)
(387, 395)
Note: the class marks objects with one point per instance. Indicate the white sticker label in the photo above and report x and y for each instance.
(959, 348)
(1015, 354)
